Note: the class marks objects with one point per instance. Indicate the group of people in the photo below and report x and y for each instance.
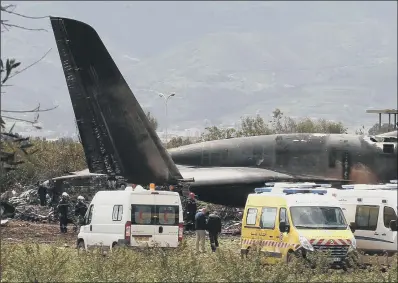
(202, 221)
(199, 221)
(63, 206)
(63, 210)
(210, 222)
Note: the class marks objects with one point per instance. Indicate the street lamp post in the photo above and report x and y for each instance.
(166, 98)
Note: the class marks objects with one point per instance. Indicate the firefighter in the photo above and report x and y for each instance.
(63, 207)
(42, 191)
(190, 208)
(80, 210)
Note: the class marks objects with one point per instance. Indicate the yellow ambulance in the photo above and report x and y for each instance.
(287, 222)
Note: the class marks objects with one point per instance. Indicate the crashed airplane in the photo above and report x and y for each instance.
(118, 139)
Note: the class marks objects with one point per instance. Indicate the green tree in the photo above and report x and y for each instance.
(279, 124)
(51, 159)
(152, 120)
(253, 126)
(10, 143)
(285, 125)
(376, 130)
(216, 133)
(178, 141)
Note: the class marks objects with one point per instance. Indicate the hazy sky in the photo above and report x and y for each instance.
(141, 35)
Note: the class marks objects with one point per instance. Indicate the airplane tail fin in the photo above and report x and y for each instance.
(116, 134)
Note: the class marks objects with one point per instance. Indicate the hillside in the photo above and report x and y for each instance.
(223, 60)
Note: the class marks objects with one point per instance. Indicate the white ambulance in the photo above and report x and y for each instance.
(373, 209)
(144, 218)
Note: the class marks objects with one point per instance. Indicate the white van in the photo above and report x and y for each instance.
(132, 218)
(374, 212)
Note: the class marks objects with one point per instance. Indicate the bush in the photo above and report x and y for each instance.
(49, 263)
(51, 159)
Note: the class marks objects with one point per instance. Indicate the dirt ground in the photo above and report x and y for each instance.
(16, 231)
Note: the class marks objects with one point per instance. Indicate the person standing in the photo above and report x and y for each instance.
(214, 228)
(63, 207)
(80, 209)
(200, 226)
(42, 192)
(191, 208)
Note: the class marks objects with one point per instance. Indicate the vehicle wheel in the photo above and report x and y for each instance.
(115, 246)
(353, 260)
(289, 257)
(243, 253)
(344, 267)
(80, 246)
(248, 253)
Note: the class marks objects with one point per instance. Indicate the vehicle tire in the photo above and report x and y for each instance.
(248, 253)
(353, 260)
(80, 246)
(243, 253)
(115, 246)
(290, 256)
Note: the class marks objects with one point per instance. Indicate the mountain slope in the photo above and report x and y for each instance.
(223, 59)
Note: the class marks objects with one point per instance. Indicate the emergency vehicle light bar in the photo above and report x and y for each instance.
(297, 185)
(262, 190)
(348, 187)
(299, 191)
(289, 184)
(388, 186)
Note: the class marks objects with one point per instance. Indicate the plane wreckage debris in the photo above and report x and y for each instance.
(25, 207)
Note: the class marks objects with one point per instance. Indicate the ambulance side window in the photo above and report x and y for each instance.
(90, 214)
(117, 213)
(143, 214)
(388, 215)
(268, 216)
(366, 217)
(251, 216)
(283, 216)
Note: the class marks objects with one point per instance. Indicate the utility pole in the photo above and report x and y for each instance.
(166, 99)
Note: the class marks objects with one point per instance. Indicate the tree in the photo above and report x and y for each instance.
(152, 120)
(11, 142)
(255, 126)
(361, 131)
(178, 141)
(376, 130)
(52, 159)
(286, 125)
(215, 133)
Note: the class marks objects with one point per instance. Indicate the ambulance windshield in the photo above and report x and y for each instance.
(318, 217)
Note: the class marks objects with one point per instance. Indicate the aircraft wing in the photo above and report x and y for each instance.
(231, 185)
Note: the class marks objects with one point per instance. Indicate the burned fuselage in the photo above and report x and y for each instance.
(341, 156)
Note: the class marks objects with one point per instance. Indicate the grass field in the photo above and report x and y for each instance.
(23, 262)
